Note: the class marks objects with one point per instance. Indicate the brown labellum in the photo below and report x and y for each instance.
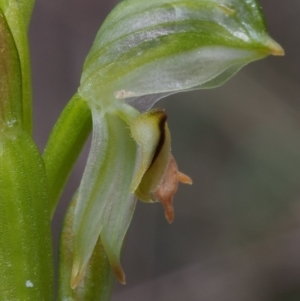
(168, 187)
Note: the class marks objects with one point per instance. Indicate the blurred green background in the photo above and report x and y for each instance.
(236, 234)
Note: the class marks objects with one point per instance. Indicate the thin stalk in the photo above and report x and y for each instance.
(10, 78)
(65, 144)
(18, 14)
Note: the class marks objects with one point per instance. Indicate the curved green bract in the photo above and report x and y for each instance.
(164, 46)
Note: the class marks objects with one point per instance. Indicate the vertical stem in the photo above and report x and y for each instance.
(10, 78)
(18, 15)
(65, 144)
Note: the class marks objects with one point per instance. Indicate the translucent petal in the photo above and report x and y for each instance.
(185, 71)
(153, 136)
(104, 205)
(151, 133)
(98, 270)
(145, 102)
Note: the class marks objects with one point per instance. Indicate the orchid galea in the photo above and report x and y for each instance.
(146, 50)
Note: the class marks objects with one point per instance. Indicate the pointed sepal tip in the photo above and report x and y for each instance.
(275, 48)
(77, 275)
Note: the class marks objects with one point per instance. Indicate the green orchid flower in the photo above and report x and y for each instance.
(146, 50)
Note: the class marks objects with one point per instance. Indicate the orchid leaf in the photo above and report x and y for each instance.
(25, 237)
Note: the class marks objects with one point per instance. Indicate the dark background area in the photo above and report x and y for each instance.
(236, 234)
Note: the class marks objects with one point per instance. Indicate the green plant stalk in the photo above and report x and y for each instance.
(17, 14)
(65, 144)
(10, 78)
(26, 7)
(23, 48)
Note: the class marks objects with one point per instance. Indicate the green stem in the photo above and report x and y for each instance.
(10, 78)
(26, 7)
(18, 14)
(65, 144)
(26, 86)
